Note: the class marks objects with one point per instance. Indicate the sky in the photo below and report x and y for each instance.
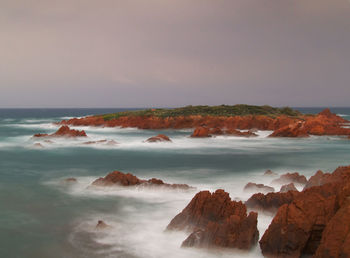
(167, 53)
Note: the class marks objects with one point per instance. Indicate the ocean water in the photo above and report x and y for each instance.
(41, 216)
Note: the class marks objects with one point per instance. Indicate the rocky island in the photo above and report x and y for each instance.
(238, 120)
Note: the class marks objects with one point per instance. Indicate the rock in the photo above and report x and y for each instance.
(101, 225)
(270, 202)
(297, 129)
(159, 138)
(216, 220)
(117, 178)
(290, 178)
(270, 173)
(235, 132)
(201, 132)
(70, 180)
(299, 228)
(106, 142)
(38, 145)
(335, 240)
(317, 179)
(287, 188)
(216, 131)
(40, 135)
(64, 131)
(258, 188)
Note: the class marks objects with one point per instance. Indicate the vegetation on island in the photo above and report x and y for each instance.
(223, 110)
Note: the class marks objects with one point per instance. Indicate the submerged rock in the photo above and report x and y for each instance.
(258, 188)
(159, 138)
(117, 178)
(38, 145)
(70, 180)
(270, 173)
(102, 225)
(290, 178)
(218, 221)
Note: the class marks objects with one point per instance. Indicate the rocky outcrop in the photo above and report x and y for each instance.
(290, 178)
(299, 228)
(335, 240)
(240, 133)
(287, 188)
(117, 178)
(218, 221)
(324, 123)
(270, 202)
(201, 132)
(64, 131)
(159, 138)
(258, 188)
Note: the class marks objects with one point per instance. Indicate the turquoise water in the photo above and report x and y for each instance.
(40, 216)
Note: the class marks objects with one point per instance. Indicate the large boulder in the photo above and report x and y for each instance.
(216, 220)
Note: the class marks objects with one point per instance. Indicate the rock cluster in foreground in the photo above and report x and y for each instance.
(117, 178)
(215, 220)
(315, 222)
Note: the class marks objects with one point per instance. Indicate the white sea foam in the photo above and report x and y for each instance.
(138, 229)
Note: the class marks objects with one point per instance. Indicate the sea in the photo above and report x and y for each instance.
(41, 215)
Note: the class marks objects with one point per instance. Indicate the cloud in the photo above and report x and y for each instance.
(168, 53)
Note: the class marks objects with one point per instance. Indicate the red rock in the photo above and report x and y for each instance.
(258, 188)
(292, 130)
(239, 133)
(269, 173)
(298, 227)
(119, 178)
(290, 178)
(159, 138)
(287, 188)
(40, 135)
(216, 131)
(201, 132)
(64, 131)
(335, 240)
(216, 220)
(271, 201)
(67, 132)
